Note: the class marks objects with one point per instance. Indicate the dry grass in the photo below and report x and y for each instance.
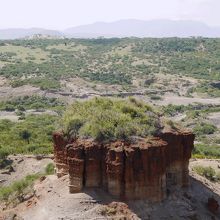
(69, 47)
(25, 53)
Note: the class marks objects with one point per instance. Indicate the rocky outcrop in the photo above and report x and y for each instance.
(143, 169)
(60, 157)
(178, 153)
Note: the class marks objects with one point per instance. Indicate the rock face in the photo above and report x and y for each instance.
(213, 205)
(60, 155)
(144, 169)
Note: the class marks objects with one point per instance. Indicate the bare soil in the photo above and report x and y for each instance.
(8, 115)
(170, 98)
(22, 166)
(7, 92)
(12, 116)
(174, 90)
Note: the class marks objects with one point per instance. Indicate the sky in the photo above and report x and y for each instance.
(62, 14)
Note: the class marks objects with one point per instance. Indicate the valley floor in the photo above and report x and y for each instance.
(52, 201)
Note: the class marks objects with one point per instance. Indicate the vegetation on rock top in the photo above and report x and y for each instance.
(108, 119)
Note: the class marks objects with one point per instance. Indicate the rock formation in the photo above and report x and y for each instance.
(147, 168)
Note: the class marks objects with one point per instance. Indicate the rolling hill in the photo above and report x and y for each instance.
(122, 28)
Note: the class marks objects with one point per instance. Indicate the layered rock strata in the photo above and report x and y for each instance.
(145, 169)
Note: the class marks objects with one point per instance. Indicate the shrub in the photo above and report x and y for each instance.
(50, 168)
(31, 102)
(171, 124)
(155, 97)
(206, 151)
(108, 211)
(9, 108)
(16, 189)
(204, 128)
(3, 153)
(73, 127)
(14, 137)
(25, 134)
(172, 110)
(108, 119)
(17, 83)
(3, 157)
(207, 172)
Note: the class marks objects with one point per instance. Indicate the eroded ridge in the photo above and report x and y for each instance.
(146, 168)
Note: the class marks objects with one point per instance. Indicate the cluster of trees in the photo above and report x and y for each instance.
(166, 45)
(31, 102)
(101, 60)
(206, 151)
(32, 135)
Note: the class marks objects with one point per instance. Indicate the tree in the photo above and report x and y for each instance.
(74, 127)
(25, 134)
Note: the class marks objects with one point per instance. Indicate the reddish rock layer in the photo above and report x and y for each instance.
(146, 169)
(60, 157)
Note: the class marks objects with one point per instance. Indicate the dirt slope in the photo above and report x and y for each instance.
(52, 201)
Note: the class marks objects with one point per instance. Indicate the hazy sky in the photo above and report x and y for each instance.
(61, 14)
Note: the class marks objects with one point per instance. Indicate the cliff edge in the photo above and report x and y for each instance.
(145, 168)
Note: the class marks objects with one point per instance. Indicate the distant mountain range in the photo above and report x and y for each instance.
(16, 33)
(122, 28)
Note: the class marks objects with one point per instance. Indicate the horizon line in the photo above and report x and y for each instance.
(109, 22)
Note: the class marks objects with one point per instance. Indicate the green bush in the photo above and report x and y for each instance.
(208, 90)
(108, 119)
(206, 151)
(207, 172)
(17, 189)
(15, 137)
(204, 128)
(17, 83)
(155, 97)
(3, 153)
(31, 102)
(25, 135)
(73, 127)
(9, 108)
(3, 157)
(172, 110)
(50, 169)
